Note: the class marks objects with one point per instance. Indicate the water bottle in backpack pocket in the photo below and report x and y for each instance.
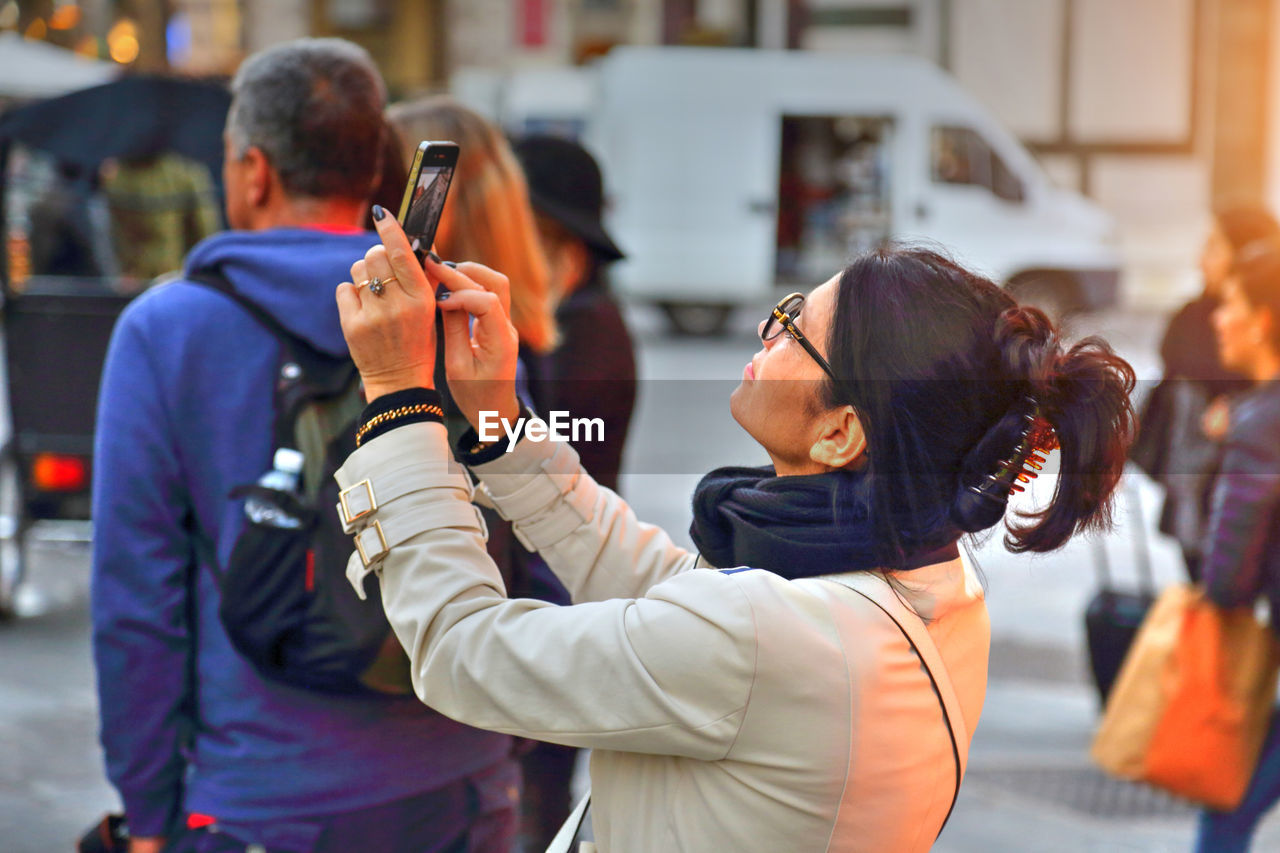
(273, 501)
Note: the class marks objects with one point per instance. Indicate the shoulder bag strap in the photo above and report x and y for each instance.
(880, 594)
(563, 842)
(876, 589)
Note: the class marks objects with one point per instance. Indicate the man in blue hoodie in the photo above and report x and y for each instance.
(198, 744)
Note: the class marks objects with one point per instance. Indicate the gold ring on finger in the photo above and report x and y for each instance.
(378, 286)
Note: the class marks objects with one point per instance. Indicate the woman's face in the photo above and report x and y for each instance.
(1240, 327)
(1215, 261)
(778, 402)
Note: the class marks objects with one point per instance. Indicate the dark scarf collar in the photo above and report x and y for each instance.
(803, 526)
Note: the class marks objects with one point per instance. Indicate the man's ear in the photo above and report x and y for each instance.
(841, 440)
(260, 177)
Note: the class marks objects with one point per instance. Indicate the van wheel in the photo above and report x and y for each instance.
(1054, 293)
(697, 318)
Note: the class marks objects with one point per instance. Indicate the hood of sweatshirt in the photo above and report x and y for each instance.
(291, 273)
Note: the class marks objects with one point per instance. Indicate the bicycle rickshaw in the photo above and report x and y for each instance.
(62, 290)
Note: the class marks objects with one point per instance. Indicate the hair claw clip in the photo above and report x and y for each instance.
(1029, 456)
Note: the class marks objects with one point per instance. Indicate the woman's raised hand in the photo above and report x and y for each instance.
(392, 335)
(480, 356)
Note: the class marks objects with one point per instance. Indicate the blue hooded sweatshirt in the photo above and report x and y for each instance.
(184, 415)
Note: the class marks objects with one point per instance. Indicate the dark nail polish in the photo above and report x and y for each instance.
(378, 213)
(443, 295)
(451, 265)
(434, 257)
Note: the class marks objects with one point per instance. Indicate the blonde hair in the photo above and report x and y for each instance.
(487, 217)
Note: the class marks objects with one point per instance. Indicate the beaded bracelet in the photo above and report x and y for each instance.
(432, 410)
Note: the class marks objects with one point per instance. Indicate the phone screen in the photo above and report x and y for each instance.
(424, 198)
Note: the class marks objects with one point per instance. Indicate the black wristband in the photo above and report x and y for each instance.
(470, 450)
(410, 406)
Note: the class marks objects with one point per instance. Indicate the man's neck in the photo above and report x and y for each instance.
(326, 214)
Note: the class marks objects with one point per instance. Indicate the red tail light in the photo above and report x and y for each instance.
(53, 472)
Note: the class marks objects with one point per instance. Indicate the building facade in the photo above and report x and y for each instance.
(1161, 110)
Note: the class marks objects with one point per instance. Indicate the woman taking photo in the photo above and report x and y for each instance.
(1242, 549)
(791, 701)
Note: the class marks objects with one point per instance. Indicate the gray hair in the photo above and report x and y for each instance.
(314, 108)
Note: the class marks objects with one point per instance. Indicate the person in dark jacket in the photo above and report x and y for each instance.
(1242, 549)
(195, 739)
(593, 371)
(1186, 415)
(591, 374)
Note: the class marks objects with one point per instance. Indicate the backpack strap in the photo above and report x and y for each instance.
(876, 589)
(298, 347)
(217, 281)
(317, 374)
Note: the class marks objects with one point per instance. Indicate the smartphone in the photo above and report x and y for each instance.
(424, 195)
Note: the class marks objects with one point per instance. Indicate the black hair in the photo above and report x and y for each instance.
(943, 368)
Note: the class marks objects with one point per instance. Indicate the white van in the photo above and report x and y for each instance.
(732, 174)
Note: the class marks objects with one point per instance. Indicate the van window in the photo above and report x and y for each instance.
(961, 156)
(834, 176)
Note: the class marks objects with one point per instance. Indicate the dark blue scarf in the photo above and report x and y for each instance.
(802, 526)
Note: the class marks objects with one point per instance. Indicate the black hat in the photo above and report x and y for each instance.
(565, 185)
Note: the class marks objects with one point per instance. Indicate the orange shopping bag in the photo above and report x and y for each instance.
(1192, 703)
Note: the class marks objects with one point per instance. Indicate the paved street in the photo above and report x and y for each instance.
(1030, 786)
(51, 782)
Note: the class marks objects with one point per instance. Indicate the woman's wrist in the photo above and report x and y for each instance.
(375, 389)
(477, 446)
(505, 408)
(397, 408)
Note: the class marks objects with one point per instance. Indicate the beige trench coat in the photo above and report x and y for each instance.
(727, 711)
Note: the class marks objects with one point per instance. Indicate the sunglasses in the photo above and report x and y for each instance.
(783, 318)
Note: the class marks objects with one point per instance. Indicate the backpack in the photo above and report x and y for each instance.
(286, 604)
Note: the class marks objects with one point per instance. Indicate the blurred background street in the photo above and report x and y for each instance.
(1030, 785)
(1071, 149)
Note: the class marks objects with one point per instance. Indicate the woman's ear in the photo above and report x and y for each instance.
(841, 440)
(570, 260)
(1265, 324)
